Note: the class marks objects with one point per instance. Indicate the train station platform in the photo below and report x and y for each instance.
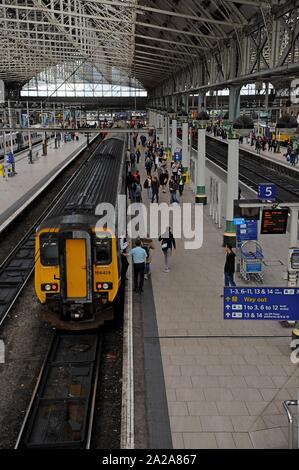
(17, 192)
(210, 382)
(276, 157)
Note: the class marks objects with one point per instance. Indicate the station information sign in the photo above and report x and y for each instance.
(274, 221)
(267, 192)
(265, 303)
(247, 231)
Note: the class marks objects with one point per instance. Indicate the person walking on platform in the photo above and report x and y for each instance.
(167, 242)
(128, 158)
(130, 180)
(133, 160)
(173, 189)
(181, 182)
(148, 245)
(139, 256)
(164, 177)
(229, 267)
(11, 161)
(124, 258)
(148, 185)
(143, 140)
(155, 189)
(137, 192)
(148, 165)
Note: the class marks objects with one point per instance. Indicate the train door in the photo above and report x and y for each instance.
(77, 267)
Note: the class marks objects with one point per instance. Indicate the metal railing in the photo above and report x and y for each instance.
(293, 423)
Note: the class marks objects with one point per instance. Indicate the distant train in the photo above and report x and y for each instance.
(77, 263)
(19, 141)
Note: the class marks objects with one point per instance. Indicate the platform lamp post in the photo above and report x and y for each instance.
(29, 135)
(10, 125)
(232, 187)
(201, 197)
(174, 127)
(45, 146)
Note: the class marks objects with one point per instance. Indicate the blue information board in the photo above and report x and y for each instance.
(247, 231)
(267, 192)
(261, 303)
(177, 156)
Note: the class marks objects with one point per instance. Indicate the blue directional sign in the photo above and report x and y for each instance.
(177, 156)
(267, 192)
(265, 303)
(247, 231)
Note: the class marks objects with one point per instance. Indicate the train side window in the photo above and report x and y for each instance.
(103, 251)
(49, 255)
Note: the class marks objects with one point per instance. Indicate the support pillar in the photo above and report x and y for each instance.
(232, 189)
(187, 103)
(185, 150)
(174, 126)
(10, 125)
(292, 274)
(267, 96)
(175, 107)
(201, 197)
(234, 103)
(163, 129)
(29, 134)
(167, 134)
(202, 101)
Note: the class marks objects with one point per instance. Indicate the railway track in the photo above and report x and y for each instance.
(19, 264)
(253, 172)
(61, 410)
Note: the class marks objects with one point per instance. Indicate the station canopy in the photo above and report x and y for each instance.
(143, 40)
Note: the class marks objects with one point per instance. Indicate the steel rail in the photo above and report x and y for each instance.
(62, 407)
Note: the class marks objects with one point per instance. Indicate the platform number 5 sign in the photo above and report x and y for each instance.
(267, 192)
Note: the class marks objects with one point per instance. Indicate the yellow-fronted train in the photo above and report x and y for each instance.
(78, 263)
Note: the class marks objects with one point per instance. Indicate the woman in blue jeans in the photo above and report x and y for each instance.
(229, 268)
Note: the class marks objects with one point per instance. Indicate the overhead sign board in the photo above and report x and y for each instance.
(267, 303)
(267, 192)
(274, 221)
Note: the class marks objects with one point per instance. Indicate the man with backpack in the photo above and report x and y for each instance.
(173, 187)
(148, 166)
(137, 192)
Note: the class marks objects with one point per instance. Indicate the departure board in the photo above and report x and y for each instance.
(274, 221)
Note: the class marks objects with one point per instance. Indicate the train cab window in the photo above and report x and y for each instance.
(103, 250)
(49, 255)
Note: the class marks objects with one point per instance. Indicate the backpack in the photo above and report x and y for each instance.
(137, 190)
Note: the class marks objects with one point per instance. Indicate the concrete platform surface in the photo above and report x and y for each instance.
(225, 380)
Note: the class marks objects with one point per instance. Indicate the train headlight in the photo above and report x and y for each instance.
(104, 285)
(50, 287)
